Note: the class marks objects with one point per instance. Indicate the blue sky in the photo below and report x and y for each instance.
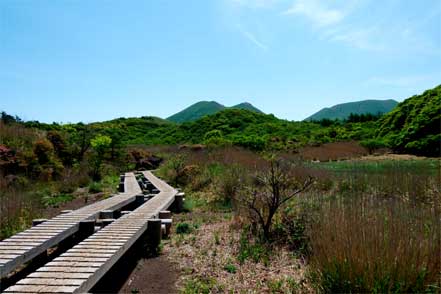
(72, 60)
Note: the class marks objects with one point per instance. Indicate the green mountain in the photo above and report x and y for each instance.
(203, 108)
(342, 111)
(246, 106)
(414, 126)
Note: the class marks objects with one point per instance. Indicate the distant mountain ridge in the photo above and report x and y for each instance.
(203, 108)
(342, 111)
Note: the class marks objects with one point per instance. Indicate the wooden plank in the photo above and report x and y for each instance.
(9, 256)
(58, 275)
(92, 258)
(87, 254)
(73, 264)
(63, 269)
(97, 251)
(81, 259)
(51, 282)
(19, 252)
(40, 289)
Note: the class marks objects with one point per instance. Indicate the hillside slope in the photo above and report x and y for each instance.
(414, 126)
(246, 106)
(196, 111)
(342, 111)
(203, 108)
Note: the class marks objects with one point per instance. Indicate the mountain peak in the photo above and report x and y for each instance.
(203, 108)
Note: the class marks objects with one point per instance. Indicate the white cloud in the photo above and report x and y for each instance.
(362, 38)
(250, 37)
(316, 12)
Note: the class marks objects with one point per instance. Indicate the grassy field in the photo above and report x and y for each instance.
(365, 225)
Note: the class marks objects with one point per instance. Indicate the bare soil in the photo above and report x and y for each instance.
(153, 275)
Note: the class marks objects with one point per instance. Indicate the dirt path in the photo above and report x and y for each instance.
(154, 275)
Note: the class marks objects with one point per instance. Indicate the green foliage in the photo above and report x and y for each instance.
(231, 268)
(204, 108)
(414, 126)
(344, 110)
(196, 111)
(201, 285)
(95, 187)
(183, 228)
(100, 143)
(214, 138)
(373, 144)
(56, 200)
(256, 251)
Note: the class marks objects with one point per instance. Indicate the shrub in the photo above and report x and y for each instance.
(95, 187)
(373, 144)
(268, 191)
(183, 228)
(228, 183)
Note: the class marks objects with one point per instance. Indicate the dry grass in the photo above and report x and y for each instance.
(333, 151)
(208, 260)
(376, 245)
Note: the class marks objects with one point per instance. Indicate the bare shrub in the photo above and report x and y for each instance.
(268, 190)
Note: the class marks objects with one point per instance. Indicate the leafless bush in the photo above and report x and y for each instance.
(268, 190)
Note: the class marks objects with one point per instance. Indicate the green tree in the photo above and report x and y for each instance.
(100, 145)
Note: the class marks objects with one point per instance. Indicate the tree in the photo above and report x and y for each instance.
(81, 136)
(268, 191)
(100, 145)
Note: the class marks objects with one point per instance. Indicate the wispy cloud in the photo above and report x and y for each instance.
(252, 38)
(317, 12)
(362, 38)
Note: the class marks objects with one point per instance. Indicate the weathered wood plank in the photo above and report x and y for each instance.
(51, 282)
(59, 275)
(63, 269)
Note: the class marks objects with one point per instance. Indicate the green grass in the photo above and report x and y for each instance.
(201, 285)
(426, 166)
(56, 200)
(231, 268)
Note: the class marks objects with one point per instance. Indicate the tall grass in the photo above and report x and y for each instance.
(17, 209)
(378, 231)
(361, 245)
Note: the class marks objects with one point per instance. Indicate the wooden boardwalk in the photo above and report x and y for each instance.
(81, 267)
(25, 246)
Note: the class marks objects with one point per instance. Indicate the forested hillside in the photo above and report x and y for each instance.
(414, 126)
(344, 110)
(204, 108)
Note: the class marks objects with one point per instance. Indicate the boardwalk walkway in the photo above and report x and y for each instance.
(81, 267)
(23, 247)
